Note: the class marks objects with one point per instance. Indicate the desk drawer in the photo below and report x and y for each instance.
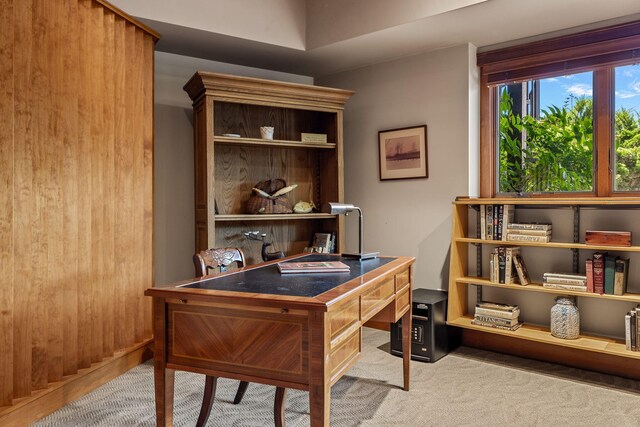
(344, 353)
(377, 297)
(402, 302)
(341, 319)
(402, 280)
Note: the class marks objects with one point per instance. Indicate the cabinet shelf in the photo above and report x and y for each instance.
(542, 335)
(232, 140)
(273, 217)
(537, 287)
(560, 245)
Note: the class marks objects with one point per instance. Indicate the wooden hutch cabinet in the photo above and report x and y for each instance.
(228, 167)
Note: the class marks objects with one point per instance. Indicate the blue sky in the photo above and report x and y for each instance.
(555, 90)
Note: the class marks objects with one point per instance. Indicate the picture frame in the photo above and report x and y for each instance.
(403, 153)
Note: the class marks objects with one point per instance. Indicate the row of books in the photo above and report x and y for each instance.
(632, 329)
(529, 232)
(607, 274)
(496, 315)
(494, 220)
(572, 282)
(497, 222)
(507, 266)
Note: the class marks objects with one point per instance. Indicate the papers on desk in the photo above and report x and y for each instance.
(313, 267)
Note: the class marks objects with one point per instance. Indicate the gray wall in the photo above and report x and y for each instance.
(174, 235)
(410, 217)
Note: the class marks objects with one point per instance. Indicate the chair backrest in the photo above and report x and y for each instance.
(218, 259)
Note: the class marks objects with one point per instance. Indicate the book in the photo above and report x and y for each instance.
(483, 222)
(578, 288)
(492, 271)
(564, 279)
(620, 276)
(529, 232)
(589, 269)
(510, 275)
(627, 331)
(608, 238)
(528, 238)
(502, 256)
(598, 272)
(529, 226)
(633, 330)
(495, 222)
(521, 269)
(609, 273)
(492, 325)
(495, 320)
(498, 313)
(313, 267)
(498, 306)
(489, 209)
(508, 216)
(581, 277)
(636, 327)
(500, 223)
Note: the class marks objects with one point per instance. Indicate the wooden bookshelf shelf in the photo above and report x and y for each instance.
(540, 334)
(559, 245)
(537, 287)
(273, 217)
(231, 140)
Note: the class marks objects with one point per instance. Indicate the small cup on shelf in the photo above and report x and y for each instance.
(266, 132)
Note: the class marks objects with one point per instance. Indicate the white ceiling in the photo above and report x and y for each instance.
(321, 37)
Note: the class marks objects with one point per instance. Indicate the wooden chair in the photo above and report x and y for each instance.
(219, 260)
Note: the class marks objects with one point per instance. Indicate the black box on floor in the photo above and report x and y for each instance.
(431, 339)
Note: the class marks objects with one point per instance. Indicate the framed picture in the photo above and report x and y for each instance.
(403, 153)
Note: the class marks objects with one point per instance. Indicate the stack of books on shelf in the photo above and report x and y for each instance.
(571, 282)
(607, 274)
(496, 315)
(507, 266)
(528, 232)
(632, 331)
(494, 220)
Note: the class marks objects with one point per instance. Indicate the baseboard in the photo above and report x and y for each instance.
(43, 402)
(590, 360)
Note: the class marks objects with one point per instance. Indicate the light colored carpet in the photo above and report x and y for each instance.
(466, 388)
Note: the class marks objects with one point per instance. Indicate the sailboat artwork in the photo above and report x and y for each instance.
(403, 153)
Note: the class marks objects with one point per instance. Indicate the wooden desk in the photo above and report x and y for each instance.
(294, 331)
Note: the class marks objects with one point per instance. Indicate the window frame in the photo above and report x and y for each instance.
(599, 51)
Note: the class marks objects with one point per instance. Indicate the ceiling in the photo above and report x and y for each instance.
(322, 37)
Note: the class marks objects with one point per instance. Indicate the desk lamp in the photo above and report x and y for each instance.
(344, 209)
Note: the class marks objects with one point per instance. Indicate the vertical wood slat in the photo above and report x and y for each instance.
(70, 191)
(96, 147)
(85, 181)
(76, 87)
(108, 285)
(120, 219)
(53, 191)
(6, 201)
(23, 195)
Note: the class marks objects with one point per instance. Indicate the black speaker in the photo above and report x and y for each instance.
(431, 339)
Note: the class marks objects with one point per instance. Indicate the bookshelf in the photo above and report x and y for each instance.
(462, 281)
(228, 167)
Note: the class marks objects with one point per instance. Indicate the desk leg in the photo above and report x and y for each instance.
(319, 405)
(319, 381)
(406, 347)
(164, 379)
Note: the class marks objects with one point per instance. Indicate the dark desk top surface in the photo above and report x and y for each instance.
(268, 280)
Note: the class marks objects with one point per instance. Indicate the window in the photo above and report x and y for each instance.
(627, 128)
(562, 116)
(545, 135)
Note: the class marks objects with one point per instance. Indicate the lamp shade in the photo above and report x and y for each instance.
(340, 208)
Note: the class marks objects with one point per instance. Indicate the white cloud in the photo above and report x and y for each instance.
(551, 80)
(627, 73)
(624, 94)
(580, 89)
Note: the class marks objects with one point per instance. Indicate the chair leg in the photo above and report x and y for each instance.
(242, 388)
(278, 406)
(207, 400)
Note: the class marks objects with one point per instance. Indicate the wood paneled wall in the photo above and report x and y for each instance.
(76, 196)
